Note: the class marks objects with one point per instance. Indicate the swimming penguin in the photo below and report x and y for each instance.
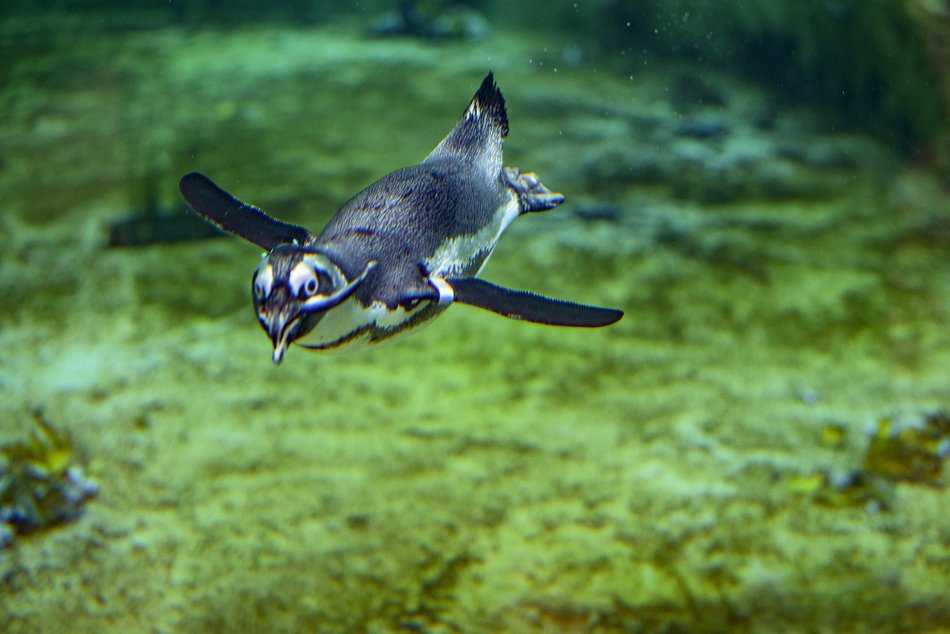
(402, 250)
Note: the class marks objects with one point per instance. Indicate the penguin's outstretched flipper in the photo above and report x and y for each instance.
(527, 306)
(230, 214)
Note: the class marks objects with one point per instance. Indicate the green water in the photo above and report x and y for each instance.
(700, 466)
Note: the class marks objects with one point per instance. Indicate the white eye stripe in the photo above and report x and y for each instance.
(303, 278)
(264, 281)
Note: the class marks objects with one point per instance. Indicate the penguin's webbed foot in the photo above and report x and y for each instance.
(532, 194)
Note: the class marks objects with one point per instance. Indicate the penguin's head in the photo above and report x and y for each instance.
(293, 288)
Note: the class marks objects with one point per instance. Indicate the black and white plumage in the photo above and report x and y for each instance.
(402, 250)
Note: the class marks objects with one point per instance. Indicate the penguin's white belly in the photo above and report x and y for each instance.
(456, 256)
(352, 326)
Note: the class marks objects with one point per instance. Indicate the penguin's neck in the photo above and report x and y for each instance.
(352, 251)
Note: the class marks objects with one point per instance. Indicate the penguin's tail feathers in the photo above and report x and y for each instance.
(487, 108)
(480, 131)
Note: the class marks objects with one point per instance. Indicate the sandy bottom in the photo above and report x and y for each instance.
(665, 474)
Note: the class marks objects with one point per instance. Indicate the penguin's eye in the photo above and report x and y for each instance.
(310, 287)
(304, 281)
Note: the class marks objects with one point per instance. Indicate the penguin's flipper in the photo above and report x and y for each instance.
(479, 133)
(528, 306)
(230, 214)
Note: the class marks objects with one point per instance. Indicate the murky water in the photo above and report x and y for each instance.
(759, 444)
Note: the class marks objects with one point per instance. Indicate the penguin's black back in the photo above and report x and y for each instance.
(455, 191)
(418, 208)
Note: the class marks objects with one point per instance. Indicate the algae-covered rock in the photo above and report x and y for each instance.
(39, 484)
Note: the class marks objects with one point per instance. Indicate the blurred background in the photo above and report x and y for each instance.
(758, 446)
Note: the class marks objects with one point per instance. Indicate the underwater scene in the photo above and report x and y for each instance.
(760, 443)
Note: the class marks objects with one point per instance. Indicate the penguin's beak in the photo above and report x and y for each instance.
(280, 347)
(281, 333)
(280, 318)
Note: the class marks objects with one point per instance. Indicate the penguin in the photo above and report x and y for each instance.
(402, 250)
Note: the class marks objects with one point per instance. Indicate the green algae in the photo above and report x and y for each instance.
(483, 475)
